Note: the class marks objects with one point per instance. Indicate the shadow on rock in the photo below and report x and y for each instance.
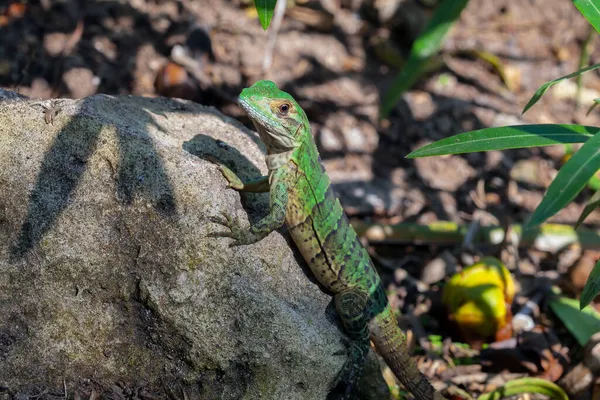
(137, 173)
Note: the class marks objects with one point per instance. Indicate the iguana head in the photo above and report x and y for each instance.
(279, 120)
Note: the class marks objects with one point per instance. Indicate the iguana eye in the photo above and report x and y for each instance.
(284, 108)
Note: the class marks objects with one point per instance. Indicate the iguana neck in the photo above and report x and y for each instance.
(277, 160)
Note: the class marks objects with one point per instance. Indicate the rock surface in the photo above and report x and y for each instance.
(108, 281)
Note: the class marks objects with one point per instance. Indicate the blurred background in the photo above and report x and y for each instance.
(341, 60)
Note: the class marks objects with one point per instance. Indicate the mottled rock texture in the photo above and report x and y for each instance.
(108, 281)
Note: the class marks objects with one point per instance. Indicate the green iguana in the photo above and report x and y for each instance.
(301, 196)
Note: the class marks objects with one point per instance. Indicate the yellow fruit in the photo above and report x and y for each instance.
(479, 297)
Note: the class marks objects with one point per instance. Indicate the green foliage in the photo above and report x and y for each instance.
(436, 340)
(579, 171)
(590, 10)
(527, 385)
(443, 18)
(592, 287)
(426, 45)
(507, 137)
(265, 9)
(544, 88)
(569, 181)
(591, 205)
(582, 325)
(594, 104)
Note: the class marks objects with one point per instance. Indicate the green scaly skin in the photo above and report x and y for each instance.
(301, 196)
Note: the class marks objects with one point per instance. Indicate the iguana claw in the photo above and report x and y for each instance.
(351, 371)
(347, 343)
(234, 232)
(240, 236)
(233, 181)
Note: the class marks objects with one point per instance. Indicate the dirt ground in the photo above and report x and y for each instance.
(338, 60)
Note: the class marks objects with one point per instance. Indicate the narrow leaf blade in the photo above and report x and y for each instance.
(591, 288)
(432, 40)
(426, 45)
(544, 88)
(591, 205)
(594, 104)
(507, 137)
(590, 10)
(526, 385)
(581, 323)
(408, 76)
(265, 10)
(569, 181)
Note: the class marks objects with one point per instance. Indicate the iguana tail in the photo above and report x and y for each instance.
(390, 343)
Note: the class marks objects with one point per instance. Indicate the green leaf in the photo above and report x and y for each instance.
(591, 205)
(582, 324)
(497, 64)
(432, 39)
(544, 88)
(590, 10)
(427, 44)
(265, 9)
(507, 137)
(591, 288)
(526, 385)
(408, 76)
(596, 102)
(570, 180)
(594, 182)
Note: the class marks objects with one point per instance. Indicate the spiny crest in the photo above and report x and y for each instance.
(266, 89)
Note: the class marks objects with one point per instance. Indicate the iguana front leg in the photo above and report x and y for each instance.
(255, 185)
(351, 305)
(273, 220)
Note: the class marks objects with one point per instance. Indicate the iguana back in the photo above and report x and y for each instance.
(302, 197)
(336, 256)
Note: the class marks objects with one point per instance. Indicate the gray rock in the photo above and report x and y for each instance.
(108, 281)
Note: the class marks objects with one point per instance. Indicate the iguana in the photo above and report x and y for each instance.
(301, 196)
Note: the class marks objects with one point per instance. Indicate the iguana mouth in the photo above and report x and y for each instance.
(253, 112)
